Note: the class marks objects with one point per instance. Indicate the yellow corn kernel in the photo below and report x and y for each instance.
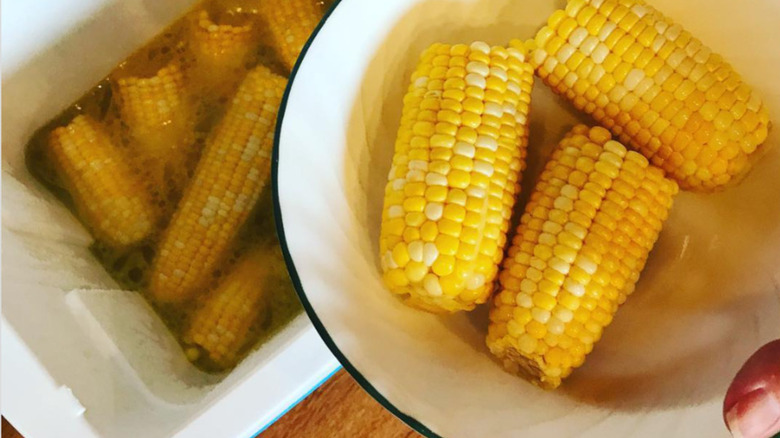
(571, 278)
(228, 180)
(464, 197)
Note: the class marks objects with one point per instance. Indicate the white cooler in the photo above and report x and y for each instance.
(81, 358)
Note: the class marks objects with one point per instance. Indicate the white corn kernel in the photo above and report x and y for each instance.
(586, 264)
(540, 55)
(486, 142)
(643, 86)
(555, 326)
(421, 82)
(578, 36)
(415, 176)
(563, 314)
(573, 287)
(606, 30)
(676, 58)
(475, 80)
(418, 165)
(524, 300)
(499, 73)
(432, 286)
(494, 109)
(465, 149)
(658, 42)
(673, 32)
(434, 211)
(480, 46)
(484, 168)
(430, 253)
(565, 52)
(540, 315)
(436, 179)
(576, 229)
(395, 211)
(476, 192)
(596, 74)
(588, 45)
(475, 281)
(416, 251)
(599, 53)
(479, 68)
(639, 10)
(633, 78)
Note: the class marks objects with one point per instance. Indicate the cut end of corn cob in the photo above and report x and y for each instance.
(149, 103)
(155, 109)
(231, 174)
(459, 154)
(591, 221)
(223, 43)
(656, 87)
(221, 52)
(107, 194)
(290, 24)
(221, 323)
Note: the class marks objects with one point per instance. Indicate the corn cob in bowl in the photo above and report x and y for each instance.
(458, 158)
(656, 87)
(583, 240)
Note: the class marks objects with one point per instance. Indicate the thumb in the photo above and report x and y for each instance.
(752, 405)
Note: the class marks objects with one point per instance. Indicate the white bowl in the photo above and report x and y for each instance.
(81, 358)
(708, 297)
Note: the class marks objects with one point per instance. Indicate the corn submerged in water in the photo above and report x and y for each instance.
(459, 154)
(221, 323)
(583, 240)
(156, 110)
(108, 195)
(659, 89)
(166, 162)
(233, 171)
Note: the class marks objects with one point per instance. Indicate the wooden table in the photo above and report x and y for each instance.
(338, 409)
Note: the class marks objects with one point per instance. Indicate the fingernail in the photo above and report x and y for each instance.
(755, 415)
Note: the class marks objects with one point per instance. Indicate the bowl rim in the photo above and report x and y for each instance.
(412, 422)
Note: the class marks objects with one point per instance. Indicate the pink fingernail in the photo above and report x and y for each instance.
(756, 415)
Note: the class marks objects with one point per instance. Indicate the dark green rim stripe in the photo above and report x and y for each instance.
(357, 375)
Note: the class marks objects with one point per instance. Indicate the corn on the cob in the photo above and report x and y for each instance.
(290, 24)
(155, 109)
(459, 154)
(107, 194)
(220, 51)
(221, 323)
(227, 182)
(582, 242)
(657, 88)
